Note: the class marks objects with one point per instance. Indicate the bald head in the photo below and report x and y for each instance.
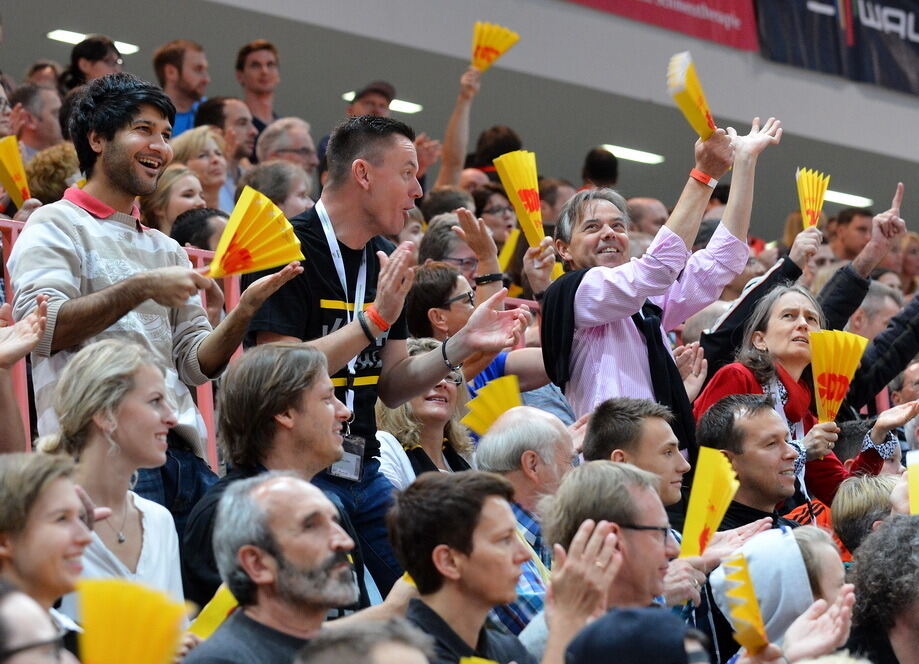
(647, 214)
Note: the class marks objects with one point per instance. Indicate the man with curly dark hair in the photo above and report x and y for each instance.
(885, 621)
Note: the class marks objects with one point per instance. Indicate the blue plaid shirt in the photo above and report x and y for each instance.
(531, 589)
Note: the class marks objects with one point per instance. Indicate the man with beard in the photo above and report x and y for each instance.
(181, 69)
(107, 276)
(284, 556)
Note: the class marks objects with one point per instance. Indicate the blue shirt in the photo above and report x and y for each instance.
(185, 121)
(531, 587)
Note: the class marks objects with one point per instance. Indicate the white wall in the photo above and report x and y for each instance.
(572, 43)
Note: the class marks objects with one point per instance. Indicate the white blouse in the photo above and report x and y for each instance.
(157, 567)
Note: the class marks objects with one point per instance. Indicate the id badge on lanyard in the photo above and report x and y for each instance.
(350, 467)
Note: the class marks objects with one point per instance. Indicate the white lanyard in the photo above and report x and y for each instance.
(360, 288)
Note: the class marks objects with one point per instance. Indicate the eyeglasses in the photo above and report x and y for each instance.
(454, 377)
(469, 296)
(464, 263)
(54, 647)
(664, 530)
(498, 210)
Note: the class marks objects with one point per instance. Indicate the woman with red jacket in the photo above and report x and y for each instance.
(772, 360)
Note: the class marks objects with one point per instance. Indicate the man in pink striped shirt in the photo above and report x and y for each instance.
(605, 321)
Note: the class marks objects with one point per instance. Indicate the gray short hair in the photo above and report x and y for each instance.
(354, 643)
(877, 293)
(598, 490)
(240, 522)
(274, 136)
(500, 449)
(439, 240)
(573, 211)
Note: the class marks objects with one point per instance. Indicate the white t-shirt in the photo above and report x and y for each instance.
(158, 566)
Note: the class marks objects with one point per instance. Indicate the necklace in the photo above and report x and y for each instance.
(119, 534)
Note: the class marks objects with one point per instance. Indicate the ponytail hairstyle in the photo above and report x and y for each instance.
(95, 381)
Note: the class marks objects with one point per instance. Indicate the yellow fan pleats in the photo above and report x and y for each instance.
(746, 618)
(713, 489)
(126, 622)
(912, 479)
(492, 400)
(508, 250)
(214, 613)
(520, 179)
(12, 172)
(683, 85)
(811, 190)
(834, 358)
(490, 42)
(257, 237)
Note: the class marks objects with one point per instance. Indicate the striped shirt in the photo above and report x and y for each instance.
(609, 357)
(531, 586)
(80, 246)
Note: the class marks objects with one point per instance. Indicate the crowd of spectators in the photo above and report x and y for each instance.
(352, 514)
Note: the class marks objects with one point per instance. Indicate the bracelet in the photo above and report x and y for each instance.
(443, 351)
(376, 318)
(489, 278)
(707, 180)
(362, 319)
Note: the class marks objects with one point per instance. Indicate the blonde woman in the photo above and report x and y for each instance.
(909, 274)
(114, 416)
(425, 434)
(177, 191)
(202, 150)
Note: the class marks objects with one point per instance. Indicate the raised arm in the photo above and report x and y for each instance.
(456, 137)
(747, 149)
(713, 158)
(489, 329)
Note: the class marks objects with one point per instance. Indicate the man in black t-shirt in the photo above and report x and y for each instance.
(348, 303)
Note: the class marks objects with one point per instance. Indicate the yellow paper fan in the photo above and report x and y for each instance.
(214, 613)
(495, 398)
(476, 660)
(517, 171)
(834, 358)
(683, 85)
(912, 480)
(743, 606)
(126, 622)
(713, 490)
(257, 237)
(811, 190)
(490, 42)
(509, 249)
(12, 172)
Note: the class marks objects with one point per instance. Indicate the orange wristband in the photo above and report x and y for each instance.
(707, 180)
(376, 318)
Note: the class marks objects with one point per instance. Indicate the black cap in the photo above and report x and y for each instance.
(380, 87)
(630, 636)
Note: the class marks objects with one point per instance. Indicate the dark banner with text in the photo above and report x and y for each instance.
(871, 42)
(729, 22)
